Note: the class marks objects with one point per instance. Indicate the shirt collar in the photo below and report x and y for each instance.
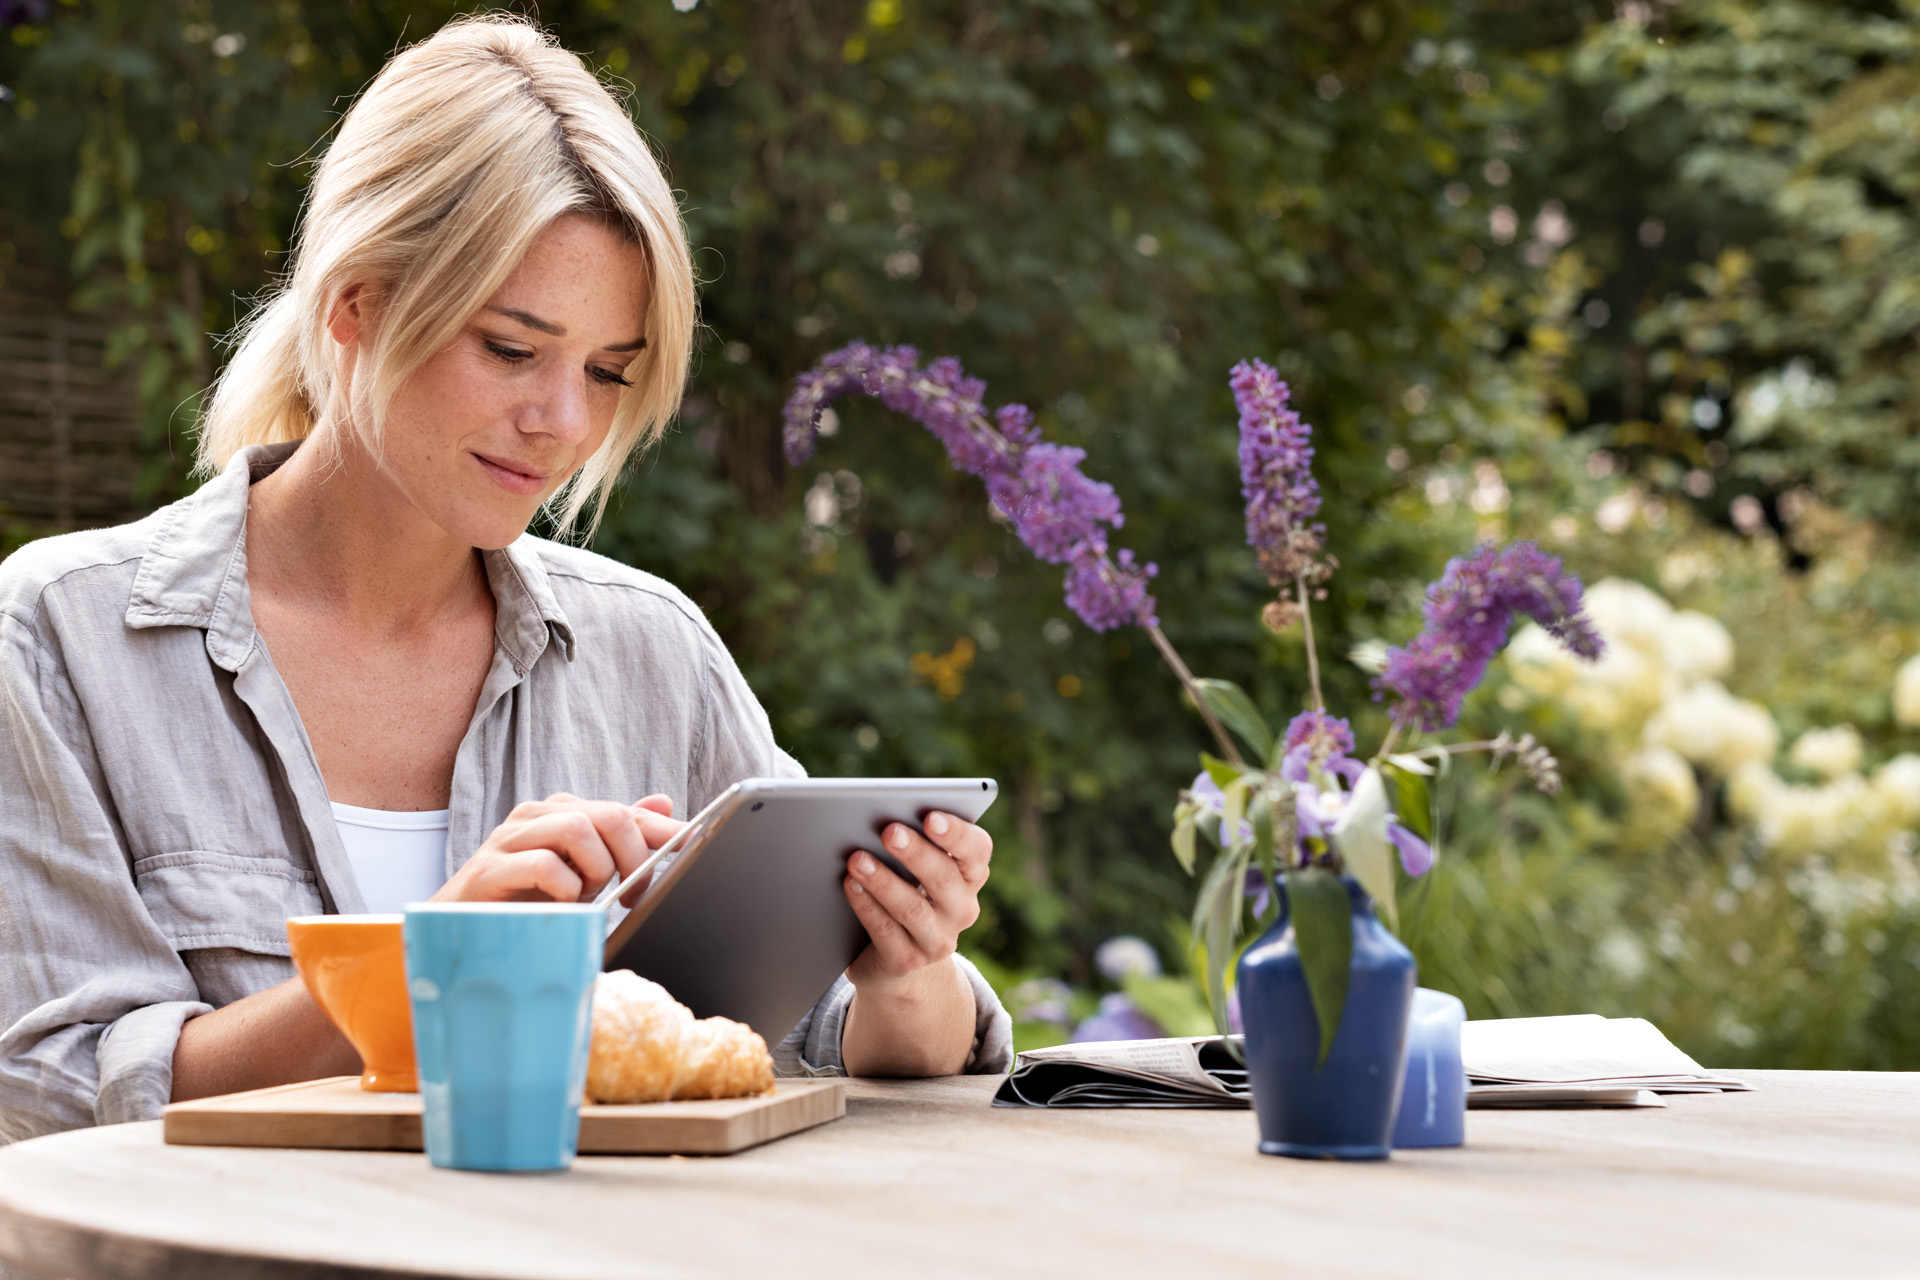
(194, 573)
(525, 611)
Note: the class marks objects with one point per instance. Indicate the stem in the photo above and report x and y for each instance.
(1459, 748)
(1192, 686)
(1393, 736)
(1313, 650)
(980, 424)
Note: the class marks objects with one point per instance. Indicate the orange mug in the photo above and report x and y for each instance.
(355, 969)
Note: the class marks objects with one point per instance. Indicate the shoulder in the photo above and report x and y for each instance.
(605, 597)
(94, 564)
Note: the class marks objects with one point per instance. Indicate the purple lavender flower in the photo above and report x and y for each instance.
(1276, 476)
(1326, 736)
(1468, 615)
(1061, 515)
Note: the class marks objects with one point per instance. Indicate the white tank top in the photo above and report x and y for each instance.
(397, 857)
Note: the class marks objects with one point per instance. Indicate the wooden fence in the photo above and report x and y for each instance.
(70, 454)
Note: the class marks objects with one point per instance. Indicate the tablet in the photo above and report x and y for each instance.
(748, 920)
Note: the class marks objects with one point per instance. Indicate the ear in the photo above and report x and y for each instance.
(347, 319)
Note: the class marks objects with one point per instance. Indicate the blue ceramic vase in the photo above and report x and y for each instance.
(1346, 1109)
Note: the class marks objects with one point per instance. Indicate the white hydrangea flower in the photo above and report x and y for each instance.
(1847, 819)
(1906, 694)
(1750, 791)
(1662, 793)
(1715, 730)
(1697, 647)
(1831, 753)
(1897, 783)
(1628, 613)
(1617, 693)
(1540, 664)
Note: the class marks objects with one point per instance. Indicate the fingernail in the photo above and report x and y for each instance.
(859, 888)
(897, 837)
(862, 865)
(937, 824)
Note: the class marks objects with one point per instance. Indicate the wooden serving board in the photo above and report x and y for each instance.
(338, 1113)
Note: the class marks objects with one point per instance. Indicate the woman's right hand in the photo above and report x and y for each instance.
(561, 849)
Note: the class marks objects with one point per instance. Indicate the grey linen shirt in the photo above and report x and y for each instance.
(162, 813)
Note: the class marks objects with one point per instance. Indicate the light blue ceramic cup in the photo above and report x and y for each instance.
(502, 996)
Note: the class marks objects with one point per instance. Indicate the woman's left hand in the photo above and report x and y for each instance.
(913, 1011)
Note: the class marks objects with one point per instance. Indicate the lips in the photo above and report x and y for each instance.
(515, 477)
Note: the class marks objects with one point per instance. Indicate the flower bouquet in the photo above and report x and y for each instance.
(1305, 832)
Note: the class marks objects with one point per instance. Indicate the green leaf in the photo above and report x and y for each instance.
(1183, 842)
(1261, 815)
(1412, 799)
(1217, 911)
(1236, 710)
(1323, 933)
(1361, 838)
(1233, 811)
(1222, 773)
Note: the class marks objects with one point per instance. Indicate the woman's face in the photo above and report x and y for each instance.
(488, 429)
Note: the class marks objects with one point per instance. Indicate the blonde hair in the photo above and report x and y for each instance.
(460, 152)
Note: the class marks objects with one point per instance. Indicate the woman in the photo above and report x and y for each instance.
(340, 676)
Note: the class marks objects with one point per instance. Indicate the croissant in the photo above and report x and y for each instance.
(647, 1047)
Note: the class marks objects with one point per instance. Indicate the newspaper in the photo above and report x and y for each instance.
(1193, 1071)
(1582, 1060)
(1566, 1060)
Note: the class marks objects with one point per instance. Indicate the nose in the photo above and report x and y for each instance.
(559, 407)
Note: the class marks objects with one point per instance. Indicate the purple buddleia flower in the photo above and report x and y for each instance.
(1276, 476)
(1053, 506)
(1416, 855)
(1468, 615)
(1118, 1019)
(1325, 736)
(1061, 515)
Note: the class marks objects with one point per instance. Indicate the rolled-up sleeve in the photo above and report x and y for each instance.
(92, 993)
(813, 1047)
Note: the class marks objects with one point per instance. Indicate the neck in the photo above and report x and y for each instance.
(329, 531)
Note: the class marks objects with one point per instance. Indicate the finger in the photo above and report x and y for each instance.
(504, 876)
(931, 932)
(893, 946)
(969, 846)
(657, 803)
(619, 830)
(931, 866)
(656, 827)
(571, 833)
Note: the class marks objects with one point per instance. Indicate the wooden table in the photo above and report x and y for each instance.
(1815, 1174)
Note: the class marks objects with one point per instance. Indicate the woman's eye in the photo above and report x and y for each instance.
(609, 377)
(509, 354)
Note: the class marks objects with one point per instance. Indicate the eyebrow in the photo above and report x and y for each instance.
(532, 321)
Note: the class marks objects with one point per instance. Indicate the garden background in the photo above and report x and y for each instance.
(1637, 280)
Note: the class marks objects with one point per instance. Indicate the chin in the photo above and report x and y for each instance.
(488, 530)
